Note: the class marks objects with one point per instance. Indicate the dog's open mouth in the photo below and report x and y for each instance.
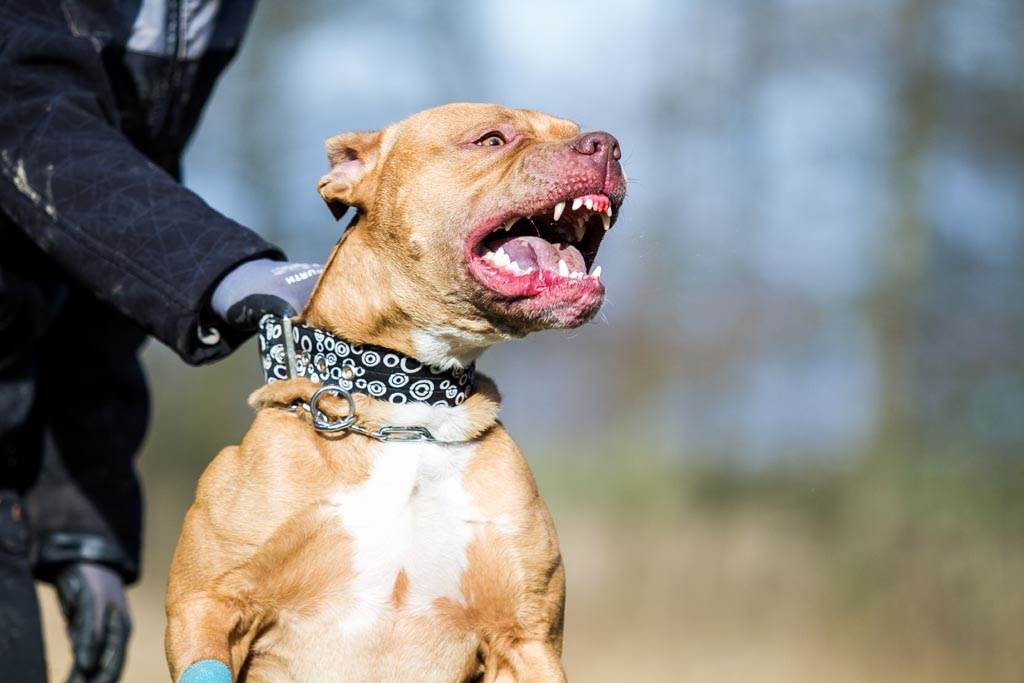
(525, 255)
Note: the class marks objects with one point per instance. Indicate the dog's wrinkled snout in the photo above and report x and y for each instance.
(598, 144)
(596, 155)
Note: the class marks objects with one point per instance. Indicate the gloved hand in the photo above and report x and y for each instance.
(99, 624)
(258, 287)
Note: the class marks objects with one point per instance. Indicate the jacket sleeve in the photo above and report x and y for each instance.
(113, 221)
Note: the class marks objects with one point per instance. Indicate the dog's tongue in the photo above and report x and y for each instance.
(537, 252)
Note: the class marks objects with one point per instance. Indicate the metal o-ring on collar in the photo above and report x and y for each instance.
(386, 434)
(320, 420)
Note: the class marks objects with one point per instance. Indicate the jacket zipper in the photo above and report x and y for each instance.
(175, 35)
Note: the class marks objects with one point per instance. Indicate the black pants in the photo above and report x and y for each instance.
(73, 412)
(21, 643)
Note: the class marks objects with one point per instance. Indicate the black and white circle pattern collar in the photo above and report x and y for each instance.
(357, 368)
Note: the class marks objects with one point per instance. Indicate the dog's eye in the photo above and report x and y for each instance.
(492, 139)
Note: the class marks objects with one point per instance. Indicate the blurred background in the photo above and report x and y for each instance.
(791, 448)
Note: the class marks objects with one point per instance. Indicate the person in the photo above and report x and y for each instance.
(100, 246)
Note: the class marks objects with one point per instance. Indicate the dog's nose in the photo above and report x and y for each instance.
(598, 143)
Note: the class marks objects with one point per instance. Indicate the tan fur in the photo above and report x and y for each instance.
(263, 570)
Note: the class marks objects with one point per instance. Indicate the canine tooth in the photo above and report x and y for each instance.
(589, 203)
(563, 269)
(509, 223)
(607, 220)
(609, 211)
(597, 272)
(581, 230)
(577, 203)
(559, 208)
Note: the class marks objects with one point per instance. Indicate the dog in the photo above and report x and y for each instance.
(319, 548)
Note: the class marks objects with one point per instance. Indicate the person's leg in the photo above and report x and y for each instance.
(21, 637)
(21, 642)
(30, 299)
(85, 506)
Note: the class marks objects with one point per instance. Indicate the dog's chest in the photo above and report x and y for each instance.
(410, 523)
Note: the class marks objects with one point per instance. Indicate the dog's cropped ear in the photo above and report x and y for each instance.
(351, 181)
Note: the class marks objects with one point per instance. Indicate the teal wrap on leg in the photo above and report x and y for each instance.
(206, 671)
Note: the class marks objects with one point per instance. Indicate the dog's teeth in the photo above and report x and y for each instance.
(597, 272)
(577, 203)
(609, 210)
(607, 220)
(559, 208)
(509, 223)
(563, 269)
(581, 230)
(489, 256)
(589, 203)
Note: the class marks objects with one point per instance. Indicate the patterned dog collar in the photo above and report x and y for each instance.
(289, 350)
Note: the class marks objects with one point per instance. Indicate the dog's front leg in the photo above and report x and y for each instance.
(208, 638)
(528, 661)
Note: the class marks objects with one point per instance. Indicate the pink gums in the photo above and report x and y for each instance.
(600, 202)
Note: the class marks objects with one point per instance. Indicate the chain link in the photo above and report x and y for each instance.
(388, 433)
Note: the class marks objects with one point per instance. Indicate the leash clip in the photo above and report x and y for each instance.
(388, 433)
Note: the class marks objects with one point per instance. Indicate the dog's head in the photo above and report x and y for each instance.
(483, 214)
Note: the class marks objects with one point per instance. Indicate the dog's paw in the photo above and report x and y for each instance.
(206, 671)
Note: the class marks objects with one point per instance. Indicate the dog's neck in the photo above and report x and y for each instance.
(356, 300)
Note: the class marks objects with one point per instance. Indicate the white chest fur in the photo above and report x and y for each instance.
(413, 515)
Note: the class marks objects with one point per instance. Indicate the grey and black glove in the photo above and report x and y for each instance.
(99, 623)
(256, 288)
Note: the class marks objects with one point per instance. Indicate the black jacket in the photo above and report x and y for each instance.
(99, 245)
(97, 100)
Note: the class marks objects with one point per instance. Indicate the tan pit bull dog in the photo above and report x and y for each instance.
(319, 555)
